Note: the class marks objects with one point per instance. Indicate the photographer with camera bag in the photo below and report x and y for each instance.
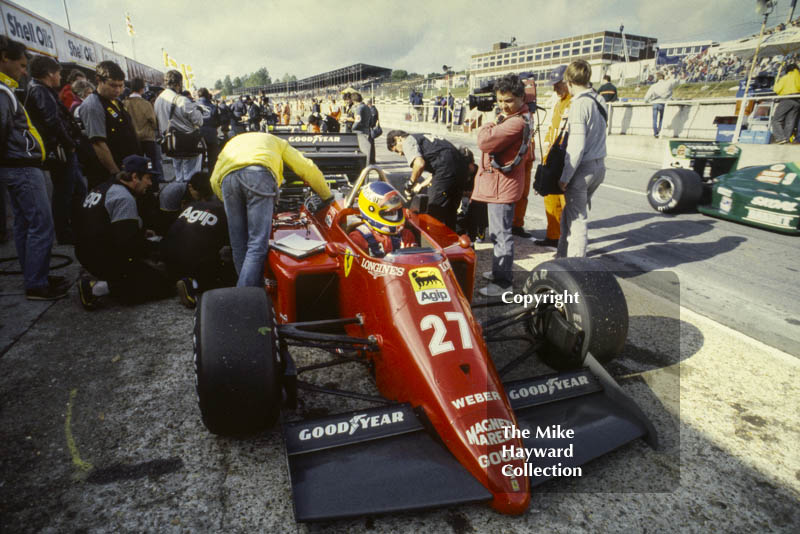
(584, 161)
(179, 122)
(501, 176)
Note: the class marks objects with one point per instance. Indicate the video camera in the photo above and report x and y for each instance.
(484, 97)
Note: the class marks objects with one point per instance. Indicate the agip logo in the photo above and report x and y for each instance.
(428, 285)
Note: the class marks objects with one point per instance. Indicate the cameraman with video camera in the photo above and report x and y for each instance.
(501, 176)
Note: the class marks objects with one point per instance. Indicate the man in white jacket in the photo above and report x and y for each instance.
(186, 118)
(660, 92)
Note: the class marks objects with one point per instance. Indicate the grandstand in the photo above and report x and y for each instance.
(358, 75)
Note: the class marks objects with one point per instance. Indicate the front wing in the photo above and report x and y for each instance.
(385, 459)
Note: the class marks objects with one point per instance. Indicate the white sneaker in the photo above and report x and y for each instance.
(488, 275)
(493, 290)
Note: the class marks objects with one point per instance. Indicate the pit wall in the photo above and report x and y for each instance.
(631, 129)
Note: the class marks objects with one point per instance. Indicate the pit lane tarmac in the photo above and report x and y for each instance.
(101, 432)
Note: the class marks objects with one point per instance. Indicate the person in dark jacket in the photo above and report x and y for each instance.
(59, 133)
(254, 116)
(238, 110)
(362, 117)
(22, 153)
(210, 124)
(448, 168)
(111, 242)
(224, 118)
(193, 247)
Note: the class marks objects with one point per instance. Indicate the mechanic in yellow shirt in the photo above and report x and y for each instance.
(247, 176)
(787, 112)
(554, 204)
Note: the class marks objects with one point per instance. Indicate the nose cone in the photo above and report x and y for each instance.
(513, 503)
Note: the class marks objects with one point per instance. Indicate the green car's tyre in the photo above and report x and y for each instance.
(674, 190)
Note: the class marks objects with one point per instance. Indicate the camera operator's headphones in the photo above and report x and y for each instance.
(523, 149)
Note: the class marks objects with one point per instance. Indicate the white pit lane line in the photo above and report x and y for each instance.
(624, 189)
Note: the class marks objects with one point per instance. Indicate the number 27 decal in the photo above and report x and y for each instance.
(438, 343)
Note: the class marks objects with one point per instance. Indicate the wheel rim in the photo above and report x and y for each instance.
(564, 311)
(663, 190)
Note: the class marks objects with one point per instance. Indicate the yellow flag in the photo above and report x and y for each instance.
(129, 25)
(166, 58)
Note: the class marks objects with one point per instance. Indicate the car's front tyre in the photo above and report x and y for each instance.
(236, 361)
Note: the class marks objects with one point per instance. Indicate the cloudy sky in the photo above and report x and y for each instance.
(306, 37)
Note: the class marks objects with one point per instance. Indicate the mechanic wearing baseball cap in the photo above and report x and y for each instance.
(554, 204)
(111, 244)
(247, 176)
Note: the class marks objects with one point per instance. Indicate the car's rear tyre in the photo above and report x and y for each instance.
(674, 190)
(236, 361)
(600, 309)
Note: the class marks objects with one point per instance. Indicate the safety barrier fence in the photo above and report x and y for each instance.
(695, 119)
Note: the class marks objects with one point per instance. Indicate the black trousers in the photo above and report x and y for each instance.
(785, 118)
(443, 205)
(210, 272)
(139, 282)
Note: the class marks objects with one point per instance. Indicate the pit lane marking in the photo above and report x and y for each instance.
(73, 448)
(635, 192)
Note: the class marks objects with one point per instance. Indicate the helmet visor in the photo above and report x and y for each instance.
(394, 214)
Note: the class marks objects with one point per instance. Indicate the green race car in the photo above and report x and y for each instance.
(704, 175)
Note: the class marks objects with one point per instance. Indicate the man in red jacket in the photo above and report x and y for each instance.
(501, 177)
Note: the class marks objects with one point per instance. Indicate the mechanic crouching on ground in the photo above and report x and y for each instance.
(383, 229)
(501, 177)
(111, 244)
(584, 163)
(247, 176)
(449, 169)
(192, 248)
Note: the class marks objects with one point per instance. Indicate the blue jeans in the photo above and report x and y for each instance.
(153, 151)
(249, 196)
(33, 222)
(658, 116)
(501, 217)
(186, 167)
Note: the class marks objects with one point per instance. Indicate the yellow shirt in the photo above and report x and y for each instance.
(788, 84)
(266, 150)
(555, 123)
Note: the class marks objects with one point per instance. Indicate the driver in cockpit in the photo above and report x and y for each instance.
(382, 229)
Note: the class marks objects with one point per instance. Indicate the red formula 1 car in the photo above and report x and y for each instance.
(439, 434)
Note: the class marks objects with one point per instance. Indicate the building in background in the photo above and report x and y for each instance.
(600, 49)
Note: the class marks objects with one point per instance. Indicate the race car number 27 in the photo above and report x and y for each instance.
(438, 343)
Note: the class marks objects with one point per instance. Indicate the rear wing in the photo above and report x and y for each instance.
(334, 154)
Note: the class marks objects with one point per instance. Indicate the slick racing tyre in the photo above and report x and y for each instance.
(599, 310)
(236, 361)
(674, 190)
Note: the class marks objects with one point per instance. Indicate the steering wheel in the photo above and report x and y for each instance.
(360, 181)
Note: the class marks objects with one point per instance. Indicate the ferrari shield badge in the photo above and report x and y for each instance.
(428, 285)
(349, 255)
